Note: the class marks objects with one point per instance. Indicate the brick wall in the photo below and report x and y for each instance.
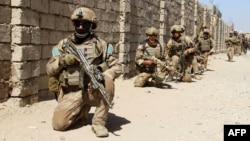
(29, 29)
(5, 49)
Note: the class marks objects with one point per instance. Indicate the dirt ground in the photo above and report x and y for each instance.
(195, 111)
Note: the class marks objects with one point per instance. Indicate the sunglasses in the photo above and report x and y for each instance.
(82, 23)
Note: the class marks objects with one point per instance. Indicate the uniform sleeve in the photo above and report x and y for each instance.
(167, 49)
(198, 45)
(190, 43)
(111, 66)
(139, 55)
(53, 66)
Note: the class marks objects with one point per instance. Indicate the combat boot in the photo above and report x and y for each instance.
(201, 69)
(169, 78)
(100, 131)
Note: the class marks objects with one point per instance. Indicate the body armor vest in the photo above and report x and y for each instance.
(75, 74)
(205, 45)
(177, 48)
(229, 41)
(148, 53)
(153, 51)
(156, 70)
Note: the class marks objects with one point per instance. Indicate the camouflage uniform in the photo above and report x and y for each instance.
(244, 43)
(200, 34)
(205, 46)
(150, 74)
(231, 43)
(75, 100)
(237, 43)
(175, 51)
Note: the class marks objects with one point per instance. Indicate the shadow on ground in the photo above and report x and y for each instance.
(114, 123)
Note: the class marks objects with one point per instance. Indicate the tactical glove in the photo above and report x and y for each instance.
(68, 59)
(98, 75)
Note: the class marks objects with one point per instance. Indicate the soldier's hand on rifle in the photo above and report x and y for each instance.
(68, 59)
(186, 52)
(90, 88)
(148, 62)
(98, 75)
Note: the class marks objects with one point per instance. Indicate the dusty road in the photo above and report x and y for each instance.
(193, 111)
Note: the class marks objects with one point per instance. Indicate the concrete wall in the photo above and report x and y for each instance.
(5, 49)
(29, 29)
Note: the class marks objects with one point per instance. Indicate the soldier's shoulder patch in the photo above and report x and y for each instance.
(109, 49)
(55, 52)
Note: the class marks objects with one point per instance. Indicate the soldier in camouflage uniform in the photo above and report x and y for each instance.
(201, 33)
(150, 66)
(230, 46)
(65, 76)
(237, 43)
(231, 43)
(205, 47)
(180, 50)
(243, 43)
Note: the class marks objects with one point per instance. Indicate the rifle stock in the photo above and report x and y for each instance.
(89, 71)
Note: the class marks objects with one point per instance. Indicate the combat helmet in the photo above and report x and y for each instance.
(152, 31)
(183, 28)
(85, 14)
(177, 28)
(235, 32)
(206, 31)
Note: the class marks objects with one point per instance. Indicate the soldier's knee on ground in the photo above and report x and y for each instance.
(60, 124)
(138, 84)
(187, 78)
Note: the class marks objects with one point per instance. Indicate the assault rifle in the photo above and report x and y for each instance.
(163, 64)
(89, 71)
(183, 57)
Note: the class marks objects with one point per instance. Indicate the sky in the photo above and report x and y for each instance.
(236, 11)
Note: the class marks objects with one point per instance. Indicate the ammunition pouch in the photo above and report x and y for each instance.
(178, 48)
(73, 76)
(55, 82)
